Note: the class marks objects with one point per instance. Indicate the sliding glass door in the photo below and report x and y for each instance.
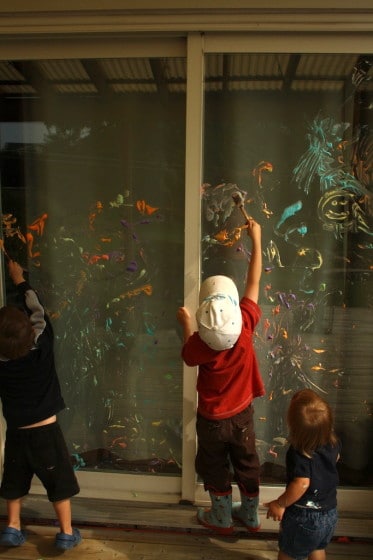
(292, 132)
(117, 175)
(92, 196)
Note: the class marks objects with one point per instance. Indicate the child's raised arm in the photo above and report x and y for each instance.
(255, 265)
(16, 272)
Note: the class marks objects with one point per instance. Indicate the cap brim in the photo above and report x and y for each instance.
(218, 284)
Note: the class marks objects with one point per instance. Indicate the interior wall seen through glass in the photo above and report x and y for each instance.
(293, 134)
(92, 194)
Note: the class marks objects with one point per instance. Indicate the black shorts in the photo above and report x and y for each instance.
(227, 443)
(41, 451)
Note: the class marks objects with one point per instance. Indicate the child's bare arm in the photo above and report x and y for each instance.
(255, 266)
(16, 272)
(293, 492)
(185, 320)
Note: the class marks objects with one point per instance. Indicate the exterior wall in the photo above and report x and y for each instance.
(181, 16)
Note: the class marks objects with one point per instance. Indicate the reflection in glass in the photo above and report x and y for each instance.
(293, 134)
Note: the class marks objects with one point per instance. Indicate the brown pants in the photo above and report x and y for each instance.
(226, 444)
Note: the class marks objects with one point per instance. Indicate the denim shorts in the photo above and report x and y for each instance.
(41, 451)
(303, 530)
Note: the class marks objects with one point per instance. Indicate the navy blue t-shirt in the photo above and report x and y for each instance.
(321, 469)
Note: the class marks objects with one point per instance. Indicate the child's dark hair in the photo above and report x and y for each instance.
(310, 421)
(16, 332)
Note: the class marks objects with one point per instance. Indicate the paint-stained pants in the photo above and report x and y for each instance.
(226, 444)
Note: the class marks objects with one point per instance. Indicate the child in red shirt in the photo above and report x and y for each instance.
(228, 382)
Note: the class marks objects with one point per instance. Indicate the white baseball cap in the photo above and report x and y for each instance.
(219, 315)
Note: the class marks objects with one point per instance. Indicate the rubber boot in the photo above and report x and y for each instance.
(247, 512)
(219, 516)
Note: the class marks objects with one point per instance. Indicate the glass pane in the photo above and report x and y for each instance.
(92, 187)
(294, 134)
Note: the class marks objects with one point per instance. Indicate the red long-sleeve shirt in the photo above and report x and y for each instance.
(228, 380)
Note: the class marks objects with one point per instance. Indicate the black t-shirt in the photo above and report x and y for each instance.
(29, 387)
(321, 469)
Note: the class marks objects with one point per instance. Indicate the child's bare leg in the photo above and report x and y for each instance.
(317, 555)
(63, 512)
(14, 513)
(283, 556)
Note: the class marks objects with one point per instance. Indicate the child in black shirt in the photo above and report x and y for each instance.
(308, 507)
(31, 398)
